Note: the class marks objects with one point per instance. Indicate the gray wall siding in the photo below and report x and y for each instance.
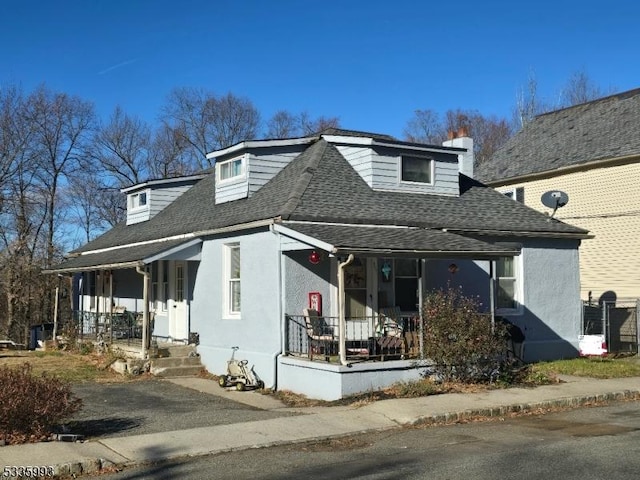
(161, 197)
(264, 167)
(232, 190)
(361, 159)
(380, 168)
(138, 215)
(258, 330)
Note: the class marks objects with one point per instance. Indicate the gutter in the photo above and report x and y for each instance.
(111, 266)
(506, 233)
(135, 263)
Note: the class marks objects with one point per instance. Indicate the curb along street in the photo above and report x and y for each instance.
(316, 423)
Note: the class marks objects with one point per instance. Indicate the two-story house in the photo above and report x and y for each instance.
(313, 254)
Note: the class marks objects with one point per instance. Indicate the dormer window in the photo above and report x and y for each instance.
(137, 200)
(230, 169)
(416, 169)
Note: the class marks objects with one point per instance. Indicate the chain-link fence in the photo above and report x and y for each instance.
(616, 321)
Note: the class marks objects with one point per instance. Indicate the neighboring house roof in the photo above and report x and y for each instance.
(603, 129)
(321, 186)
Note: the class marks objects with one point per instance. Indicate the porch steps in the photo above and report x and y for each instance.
(176, 361)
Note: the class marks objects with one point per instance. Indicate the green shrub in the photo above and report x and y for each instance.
(461, 341)
(32, 405)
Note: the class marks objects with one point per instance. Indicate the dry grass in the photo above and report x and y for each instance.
(595, 367)
(68, 366)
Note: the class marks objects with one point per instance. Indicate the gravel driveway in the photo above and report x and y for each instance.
(153, 406)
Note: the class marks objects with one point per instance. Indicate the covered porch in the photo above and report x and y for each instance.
(133, 297)
(353, 301)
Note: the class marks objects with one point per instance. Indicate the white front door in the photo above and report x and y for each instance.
(178, 323)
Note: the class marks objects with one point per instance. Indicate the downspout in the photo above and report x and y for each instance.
(342, 326)
(145, 308)
(492, 294)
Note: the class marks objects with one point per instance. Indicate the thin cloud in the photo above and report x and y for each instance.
(118, 65)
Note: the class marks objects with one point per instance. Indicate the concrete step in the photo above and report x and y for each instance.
(174, 362)
(182, 371)
(175, 350)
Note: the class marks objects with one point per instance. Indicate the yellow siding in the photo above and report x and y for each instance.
(605, 201)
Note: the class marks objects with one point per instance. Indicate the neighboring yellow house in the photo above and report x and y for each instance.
(592, 152)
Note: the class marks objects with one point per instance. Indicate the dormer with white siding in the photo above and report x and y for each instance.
(146, 199)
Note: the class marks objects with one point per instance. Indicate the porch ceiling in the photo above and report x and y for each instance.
(128, 256)
(385, 240)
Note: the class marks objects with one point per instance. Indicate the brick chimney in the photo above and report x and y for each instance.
(461, 139)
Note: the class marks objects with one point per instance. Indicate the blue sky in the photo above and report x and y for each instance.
(370, 62)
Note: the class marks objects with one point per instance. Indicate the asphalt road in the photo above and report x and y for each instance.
(152, 406)
(584, 444)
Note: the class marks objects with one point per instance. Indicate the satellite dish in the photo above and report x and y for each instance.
(554, 199)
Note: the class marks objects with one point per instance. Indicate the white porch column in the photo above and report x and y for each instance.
(145, 307)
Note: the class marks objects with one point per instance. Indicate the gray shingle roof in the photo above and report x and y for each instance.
(320, 185)
(601, 129)
(117, 258)
(391, 240)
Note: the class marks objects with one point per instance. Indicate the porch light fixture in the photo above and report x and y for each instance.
(314, 257)
(453, 268)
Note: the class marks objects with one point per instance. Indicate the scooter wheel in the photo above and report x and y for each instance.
(240, 386)
(222, 381)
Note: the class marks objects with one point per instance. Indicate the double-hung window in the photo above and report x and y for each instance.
(416, 169)
(230, 169)
(507, 294)
(232, 279)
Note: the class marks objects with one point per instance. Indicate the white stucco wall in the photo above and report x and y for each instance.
(301, 277)
(258, 330)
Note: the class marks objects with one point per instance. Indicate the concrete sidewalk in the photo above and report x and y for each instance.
(313, 424)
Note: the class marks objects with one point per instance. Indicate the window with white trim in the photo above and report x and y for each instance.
(416, 169)
(138, 200)
(230, 169)
(232, 279)
(507, 284)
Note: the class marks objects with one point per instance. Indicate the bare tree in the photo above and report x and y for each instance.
(310, 126)
(425, 127)
(488, 133)
(121, 148)
(284, 124)
(62, 126)
(528, 102)
(580, 89)
(167, 155)
(207, 122)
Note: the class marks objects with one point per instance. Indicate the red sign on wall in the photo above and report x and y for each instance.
(315, 302)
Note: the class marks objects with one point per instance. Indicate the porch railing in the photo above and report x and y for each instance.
(367, 338)
(124, 326)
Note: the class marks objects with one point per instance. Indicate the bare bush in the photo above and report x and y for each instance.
(32, 405)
